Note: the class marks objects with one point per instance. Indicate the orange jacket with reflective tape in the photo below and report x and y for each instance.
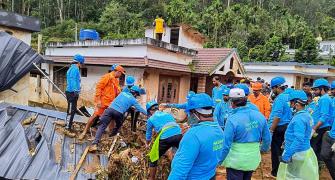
(107, 89)
(263, 104)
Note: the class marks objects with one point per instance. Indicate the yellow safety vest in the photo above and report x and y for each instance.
(159, 25)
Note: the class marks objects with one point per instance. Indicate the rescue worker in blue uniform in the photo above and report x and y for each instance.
(183, 105)
(217, 90)
(247, 92)
(223, 109)
(200, 150)
(322, 115)
(130, 82)
(73, 88)
(245, 130)
(280, 117)
(169, 134)
(298, 156)
(115, 112)
(328, 150)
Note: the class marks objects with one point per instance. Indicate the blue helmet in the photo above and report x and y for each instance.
(79, 58)
(332, 85)
(150, 104)
(130, 81)
(199, 101)
(298, 95)
(136, 89)
(113, 67)
(244, 87)
(226, 92)
(320, 82)
(276, 81)
(190, 94)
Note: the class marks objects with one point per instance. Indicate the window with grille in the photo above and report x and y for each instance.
(59, 78)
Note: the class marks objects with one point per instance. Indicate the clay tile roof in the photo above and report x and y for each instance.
(208, 58)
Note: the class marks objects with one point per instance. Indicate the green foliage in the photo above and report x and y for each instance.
(308, 51)
(117, 22)
(258, 29)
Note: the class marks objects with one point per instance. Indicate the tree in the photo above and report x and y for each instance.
(117, 22)
(308, 52)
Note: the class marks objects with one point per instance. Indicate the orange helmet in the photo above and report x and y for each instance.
(120, 69)
(257, 86)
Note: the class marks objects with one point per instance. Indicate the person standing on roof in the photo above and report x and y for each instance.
(73, 88)
(223, 109)
(115, 112)
(159, 29)
(200, 150)
(322, 114)
(246, 90)
(280, 117)
(298, 160)
(106, 90)
(217, 90)
(169, 135)
(244, 131)
(261, 101)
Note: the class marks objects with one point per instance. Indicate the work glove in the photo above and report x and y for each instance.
(333, 147)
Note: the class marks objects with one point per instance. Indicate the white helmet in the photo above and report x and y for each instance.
(236, 93)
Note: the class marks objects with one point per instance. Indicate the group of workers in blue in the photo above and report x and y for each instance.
(228, 130)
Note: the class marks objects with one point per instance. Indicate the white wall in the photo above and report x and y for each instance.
(126, 51)
(290, 78)
(167, 56)
(150, 34)
(22, 35)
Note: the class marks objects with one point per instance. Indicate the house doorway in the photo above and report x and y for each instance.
(168, 89)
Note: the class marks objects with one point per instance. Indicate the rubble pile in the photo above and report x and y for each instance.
(129, 157)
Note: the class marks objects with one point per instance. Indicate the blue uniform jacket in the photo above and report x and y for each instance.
(297, 135)
(73, 79)
(221, 112)
(125, 89)
(246, 126)
(217, 94)
(281, 109)
(199, 153)
(124, 101)
(323, 111)
(158, 121)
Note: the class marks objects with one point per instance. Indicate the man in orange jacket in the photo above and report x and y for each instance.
(106, 91)
(261, 101)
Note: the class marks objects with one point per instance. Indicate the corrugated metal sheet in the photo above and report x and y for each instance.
(16, 140)
(209, 58)
(19, 21)
(16, 60)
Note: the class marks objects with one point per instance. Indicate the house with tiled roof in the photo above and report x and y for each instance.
(168, 69)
